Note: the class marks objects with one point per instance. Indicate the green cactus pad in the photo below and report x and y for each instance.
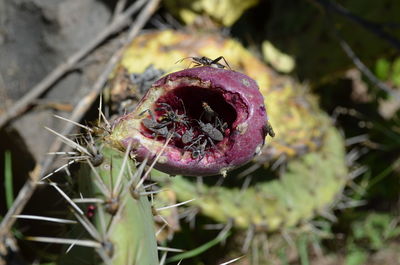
(128, 235)
(310, 185)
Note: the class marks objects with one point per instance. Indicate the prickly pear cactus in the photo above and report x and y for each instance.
(298, 123)
(131, 232)
(306, 142)
(117, 220)
(309, 186)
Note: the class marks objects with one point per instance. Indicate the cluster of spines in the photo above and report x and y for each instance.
(311, 186)
(118, 219)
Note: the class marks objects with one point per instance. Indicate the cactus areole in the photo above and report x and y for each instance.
(203, 120)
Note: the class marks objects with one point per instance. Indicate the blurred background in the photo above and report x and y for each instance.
(325, 189)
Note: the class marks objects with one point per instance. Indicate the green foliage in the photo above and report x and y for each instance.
(369, 232)
(396, 72)
(201, 249)
(375, 230)
(388, 70)
(302, 245)
(382, 68)
(305, 31)
(356, 256)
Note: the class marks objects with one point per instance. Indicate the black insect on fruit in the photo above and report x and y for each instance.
(171, 116)
(208, 112)
(158, 129)
(187, 136)
(268, 130)
(233, 96)
(211, 132)
(144, 80)
(198, 149)
(205, 61)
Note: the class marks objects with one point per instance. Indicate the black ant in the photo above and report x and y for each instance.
(205, 61)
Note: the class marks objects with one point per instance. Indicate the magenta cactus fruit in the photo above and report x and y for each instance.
(203, 120)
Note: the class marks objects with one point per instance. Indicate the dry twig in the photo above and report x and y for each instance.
(375, 28)
(81, 108)
(119, 7)
(21, 105)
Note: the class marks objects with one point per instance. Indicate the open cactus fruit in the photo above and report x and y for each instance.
(202, 121)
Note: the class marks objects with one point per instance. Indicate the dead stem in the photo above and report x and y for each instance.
(27, 190)
(20, 106)
(119, 7)
(82, 107)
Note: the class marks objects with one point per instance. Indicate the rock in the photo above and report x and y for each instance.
(35, 37)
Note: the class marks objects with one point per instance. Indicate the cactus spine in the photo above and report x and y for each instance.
(306, 141)
(124, 221)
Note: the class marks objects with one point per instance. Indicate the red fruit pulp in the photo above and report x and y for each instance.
(214, 117)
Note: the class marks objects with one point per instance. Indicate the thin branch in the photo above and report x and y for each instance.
(362, 67)
(119, 7)
(21, 105)
(82, 107)
(23, 196)
(368, 25)
(30, 185)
